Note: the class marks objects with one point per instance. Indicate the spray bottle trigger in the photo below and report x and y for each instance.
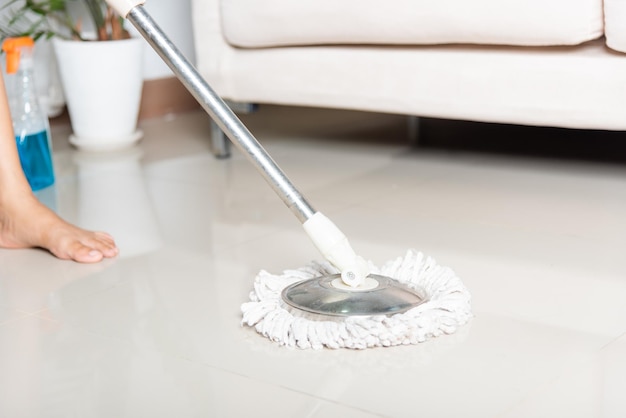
(12, 47)
(13, 61)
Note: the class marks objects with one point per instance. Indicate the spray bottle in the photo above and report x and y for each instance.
(30, 122)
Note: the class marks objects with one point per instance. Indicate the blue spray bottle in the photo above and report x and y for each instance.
(30, 123)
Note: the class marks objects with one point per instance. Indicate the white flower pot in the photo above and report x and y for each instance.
(102, 82)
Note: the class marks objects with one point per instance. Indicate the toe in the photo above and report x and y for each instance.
(86, 247)
(79, 252)
(87, 255)
(102, 243)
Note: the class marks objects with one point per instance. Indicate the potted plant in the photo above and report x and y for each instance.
(100, 65)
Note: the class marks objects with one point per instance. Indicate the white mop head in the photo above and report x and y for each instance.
(446, 308)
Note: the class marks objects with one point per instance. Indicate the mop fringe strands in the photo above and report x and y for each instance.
(446, 307)
(345, 301)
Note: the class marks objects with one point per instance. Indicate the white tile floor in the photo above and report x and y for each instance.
(155, 333)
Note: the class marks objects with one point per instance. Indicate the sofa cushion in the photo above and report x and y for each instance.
(255, 23)
(615, 24)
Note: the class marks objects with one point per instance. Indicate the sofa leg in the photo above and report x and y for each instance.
(413, 129)
(220, 144)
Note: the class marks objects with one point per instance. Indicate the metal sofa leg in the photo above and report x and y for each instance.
(413, 129)
(220, 144)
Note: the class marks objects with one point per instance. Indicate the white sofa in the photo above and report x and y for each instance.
(535, 62)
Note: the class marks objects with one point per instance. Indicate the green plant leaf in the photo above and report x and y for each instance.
(49, 18)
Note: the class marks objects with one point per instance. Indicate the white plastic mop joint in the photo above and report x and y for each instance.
(334, 246)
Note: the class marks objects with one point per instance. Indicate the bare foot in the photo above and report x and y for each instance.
(27, 223)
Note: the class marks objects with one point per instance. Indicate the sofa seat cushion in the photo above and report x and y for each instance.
(268, 23)
(564, 86)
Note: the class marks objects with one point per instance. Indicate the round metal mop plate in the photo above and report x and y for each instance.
(319, 296)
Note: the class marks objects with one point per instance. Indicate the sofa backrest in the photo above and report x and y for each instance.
(615, 24)
(268, 23)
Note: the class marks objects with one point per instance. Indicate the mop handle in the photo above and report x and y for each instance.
(328, 239)
(217, 109)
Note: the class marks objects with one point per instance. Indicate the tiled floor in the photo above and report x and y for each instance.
(538, 241)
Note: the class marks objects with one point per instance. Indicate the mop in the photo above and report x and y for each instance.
(344, 301)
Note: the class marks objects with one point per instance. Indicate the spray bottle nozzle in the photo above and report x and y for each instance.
(12, 47)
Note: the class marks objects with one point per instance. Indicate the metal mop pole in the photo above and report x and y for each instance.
(221, 113)
(328, 239)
